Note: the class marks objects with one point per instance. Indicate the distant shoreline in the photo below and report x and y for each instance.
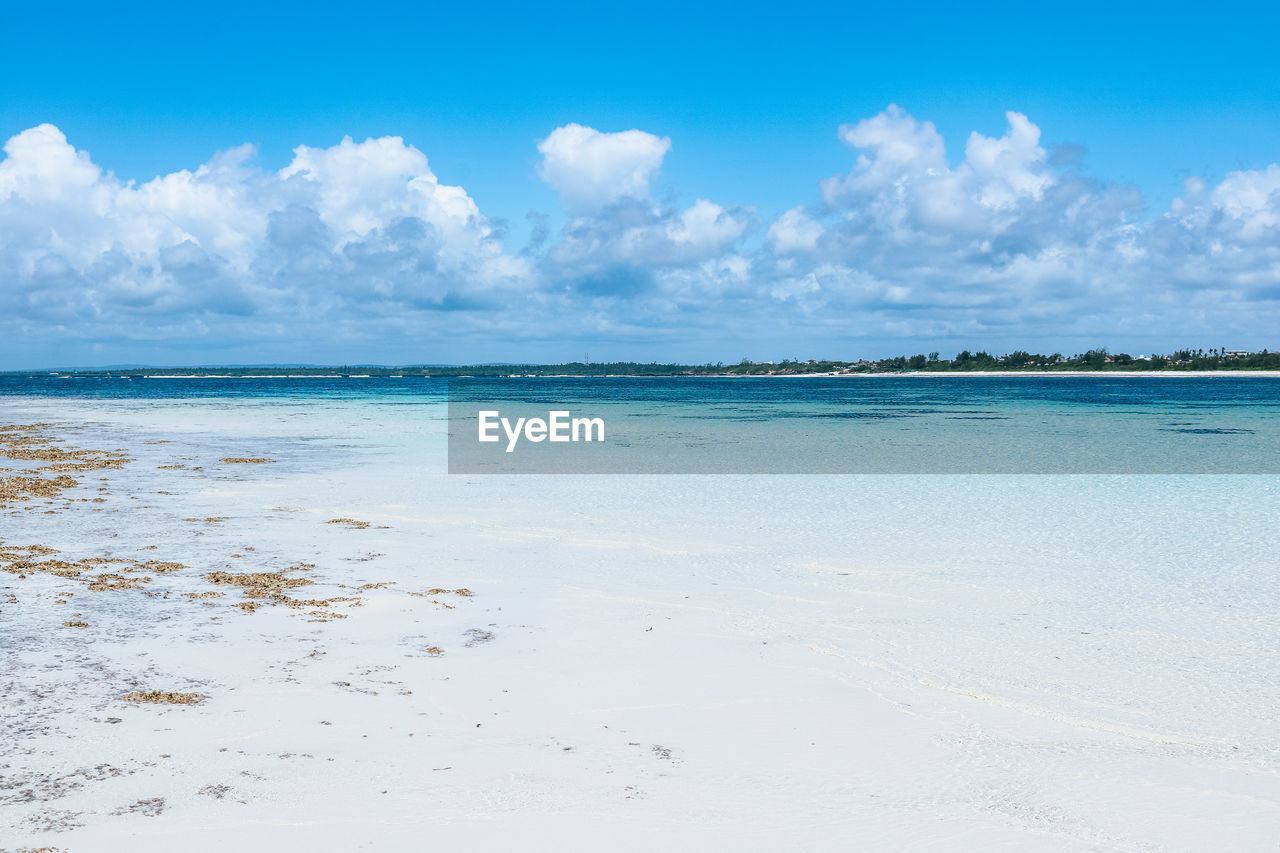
(1100, 374)
(1095, 362)
(904, 374)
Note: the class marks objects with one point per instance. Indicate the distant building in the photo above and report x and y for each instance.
(1237, 353)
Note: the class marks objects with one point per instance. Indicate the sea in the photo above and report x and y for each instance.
(898, 424)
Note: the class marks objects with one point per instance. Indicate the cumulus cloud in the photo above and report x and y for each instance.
(995, 243)
(895, 147)
(1010, 244)
(350, 231)
(618, 240)
(903, 185)
(591, 169)
(1251, 200)
(794, 231)
(1009, 168)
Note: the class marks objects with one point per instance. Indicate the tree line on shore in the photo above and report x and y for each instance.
(964, 362)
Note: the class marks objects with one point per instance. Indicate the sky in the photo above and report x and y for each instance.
(419, 183)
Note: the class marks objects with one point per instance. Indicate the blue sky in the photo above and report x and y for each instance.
(751, 97)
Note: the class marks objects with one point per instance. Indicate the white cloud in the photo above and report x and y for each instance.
(793, 288)
(356, 187)
(591, 169)
(41, 166)
(618, 241)
(1003, 244)
(643, 239)
(903, 181)
(1010, 168)
(1251, 199)
(229, 238)
(361, 242)
(794, 231)
(898, 147)
(706, 227)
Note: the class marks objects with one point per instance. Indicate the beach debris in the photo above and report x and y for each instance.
(164, 697)
(11, 552)
(111, 581)
(218, 792)
(477, 636)
(42, 786)
(51, 476)
(55, 820)
(18, 488)
(268, 589)
(23, 560)
(31, 443)
(150, 807)
(160, 567)
(261, 583)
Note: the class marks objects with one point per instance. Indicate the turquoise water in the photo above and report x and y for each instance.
(1063, 653)
(894, 425)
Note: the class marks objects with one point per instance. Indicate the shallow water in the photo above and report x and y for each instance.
(1226, 424)
(1081, 662)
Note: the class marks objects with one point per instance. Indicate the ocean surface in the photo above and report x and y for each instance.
(1226, 424)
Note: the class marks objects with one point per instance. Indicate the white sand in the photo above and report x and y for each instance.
(702, 663)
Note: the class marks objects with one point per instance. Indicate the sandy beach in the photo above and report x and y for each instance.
(618, 428)
(282, 630)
